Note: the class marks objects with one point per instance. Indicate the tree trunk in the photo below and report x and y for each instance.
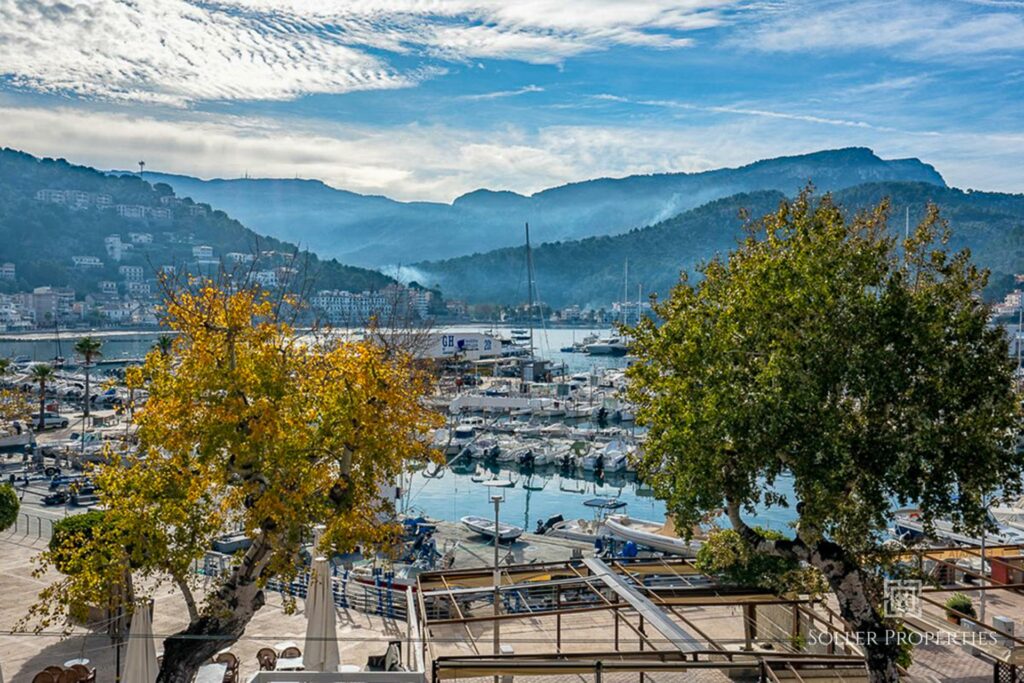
(42, 406)
(85, 410)
(852, 588)
(868, 628)
(223, 622)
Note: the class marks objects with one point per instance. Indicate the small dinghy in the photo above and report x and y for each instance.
(485, 527)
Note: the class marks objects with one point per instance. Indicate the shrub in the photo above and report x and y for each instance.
(9, 506)
(958, 602)
(69, 534)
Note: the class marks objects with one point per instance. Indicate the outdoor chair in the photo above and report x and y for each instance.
(231, 675)
(68, 676)
(44, 677)
(54, 671)
(267, 659)
(290, 652)
(85, 674)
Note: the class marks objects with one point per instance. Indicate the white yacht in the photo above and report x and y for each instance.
(607, 346)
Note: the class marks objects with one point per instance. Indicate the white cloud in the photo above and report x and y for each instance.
(183, 51)
(500, 94)
(933, 30)
(440, 163)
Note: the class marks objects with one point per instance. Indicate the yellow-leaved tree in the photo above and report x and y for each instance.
(247, 424)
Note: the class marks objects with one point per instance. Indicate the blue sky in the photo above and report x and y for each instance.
(422, 99)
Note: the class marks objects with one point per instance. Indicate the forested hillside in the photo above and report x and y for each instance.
(590, 271)
(41, 237)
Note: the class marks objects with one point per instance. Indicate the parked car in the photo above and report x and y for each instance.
(56, 498)
(63, 480)
(53, 421)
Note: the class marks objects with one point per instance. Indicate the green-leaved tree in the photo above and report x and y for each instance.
(824, 349)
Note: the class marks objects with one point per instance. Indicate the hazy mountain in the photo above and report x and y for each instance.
(590, 271)
(373, 230)
(40, 237)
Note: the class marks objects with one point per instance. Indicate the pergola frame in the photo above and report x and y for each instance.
(563, 589)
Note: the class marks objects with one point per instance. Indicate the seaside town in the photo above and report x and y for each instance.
(657, 341)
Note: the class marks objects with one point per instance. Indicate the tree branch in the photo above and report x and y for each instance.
(186, 592)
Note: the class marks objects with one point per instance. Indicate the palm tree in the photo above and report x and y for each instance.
(5, 365)
(88, 348)
(164, 343)
(42, 373)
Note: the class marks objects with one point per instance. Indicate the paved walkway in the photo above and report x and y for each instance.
(25, 654)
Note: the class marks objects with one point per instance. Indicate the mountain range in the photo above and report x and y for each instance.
(583, 233)
(592, 270)
(376, 231)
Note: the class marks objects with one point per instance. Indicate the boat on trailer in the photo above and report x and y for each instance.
(660, 536)
(485, 527)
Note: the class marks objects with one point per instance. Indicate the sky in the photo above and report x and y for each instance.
(429, 99)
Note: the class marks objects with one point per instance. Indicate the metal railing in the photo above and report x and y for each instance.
(377, 594)
(32, 526)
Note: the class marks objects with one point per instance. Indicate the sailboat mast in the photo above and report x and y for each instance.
(625, 293)
(529, 286)
(639, 301)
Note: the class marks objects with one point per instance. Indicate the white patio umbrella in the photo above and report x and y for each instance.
(140, 660)
(321, 652)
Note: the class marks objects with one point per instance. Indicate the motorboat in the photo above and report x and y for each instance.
(556, 429)
(660, 536)
(485, 527)
(580, 410)
(1010, 515)
(606, 346)
(615, 456)
(482, 448)
(541, 456)
(513, 454)
(909, 522)
(584, 530)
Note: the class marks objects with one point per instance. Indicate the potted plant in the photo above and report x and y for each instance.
(958, 604)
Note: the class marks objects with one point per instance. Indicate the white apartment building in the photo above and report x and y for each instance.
(265, 278)
(134, 211)
(340, 307)
(74, 199)
(202, 252)
(7, 271)
(138, 288)
(131, 273)
(140, 238)
(238, 257)
(87, 261)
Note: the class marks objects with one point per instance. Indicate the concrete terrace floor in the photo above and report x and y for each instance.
(24, 655)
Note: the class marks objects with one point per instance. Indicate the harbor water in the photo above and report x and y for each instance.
(451, 493)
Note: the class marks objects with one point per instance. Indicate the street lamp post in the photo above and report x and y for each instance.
(497, 580)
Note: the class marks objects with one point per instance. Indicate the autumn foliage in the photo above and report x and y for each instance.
(248, 425)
